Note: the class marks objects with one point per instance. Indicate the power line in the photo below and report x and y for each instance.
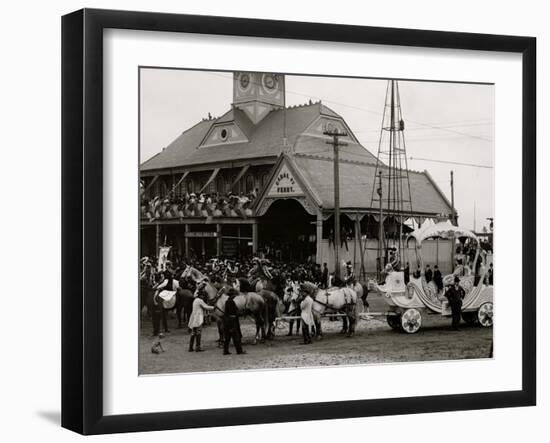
(473, 165)
(445, 126)
(436, 127)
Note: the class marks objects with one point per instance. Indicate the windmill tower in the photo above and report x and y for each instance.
(391, 191)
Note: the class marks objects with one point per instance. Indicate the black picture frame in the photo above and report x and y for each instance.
(82, 218)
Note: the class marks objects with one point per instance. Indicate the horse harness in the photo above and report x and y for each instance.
(348, 300)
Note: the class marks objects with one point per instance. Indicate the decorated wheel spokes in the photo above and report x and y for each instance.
(411, 320)
(485, 314)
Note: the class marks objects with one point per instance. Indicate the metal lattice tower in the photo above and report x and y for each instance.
(392, 163)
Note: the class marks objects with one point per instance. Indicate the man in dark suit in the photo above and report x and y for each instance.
(438, 278)
(231, 325)
(324, 278)
(455, 294)
(428, 274)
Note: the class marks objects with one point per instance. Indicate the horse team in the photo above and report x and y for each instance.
(257, 298)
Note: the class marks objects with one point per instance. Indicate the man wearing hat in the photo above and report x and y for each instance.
(306, 306)
(231, 325)
(455, 294)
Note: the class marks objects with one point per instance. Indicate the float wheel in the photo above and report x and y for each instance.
(411, 320)
(485, 315)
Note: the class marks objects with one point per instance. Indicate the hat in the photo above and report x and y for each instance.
(232, 292)
(308, 288)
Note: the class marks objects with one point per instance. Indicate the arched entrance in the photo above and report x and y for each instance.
(287, 232)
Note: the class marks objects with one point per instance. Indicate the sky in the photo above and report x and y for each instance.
(445, 123)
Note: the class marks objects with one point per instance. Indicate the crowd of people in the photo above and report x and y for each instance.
(223, 269)
(167, 279)
(202, 205)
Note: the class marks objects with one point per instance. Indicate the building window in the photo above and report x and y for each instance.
(163, 189)
(224, 134)
(190, 186)
(220, 185)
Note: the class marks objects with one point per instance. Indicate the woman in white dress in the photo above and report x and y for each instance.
(306, 314)
(197, 319)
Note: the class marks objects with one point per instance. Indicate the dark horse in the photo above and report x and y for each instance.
(146, 293)
(184, 300)
(183, 303)
(273, 305)
(146, 290)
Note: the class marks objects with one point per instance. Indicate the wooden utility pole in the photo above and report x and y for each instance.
(336, 144)
(380, 227)
(452, 238)
(453, 219)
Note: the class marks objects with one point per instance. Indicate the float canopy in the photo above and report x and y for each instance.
(442, 229)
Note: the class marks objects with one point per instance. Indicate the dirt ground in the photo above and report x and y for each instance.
(374, 342)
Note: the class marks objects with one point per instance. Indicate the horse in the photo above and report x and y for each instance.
(249, 303)
(273, 304)
(335, 299)
(274, 308)
(362, 293)
(198, 277)
(146, 293)
(184, 300)
(146, 290)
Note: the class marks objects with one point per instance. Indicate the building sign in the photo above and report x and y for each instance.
(285, 184)
(201, 234)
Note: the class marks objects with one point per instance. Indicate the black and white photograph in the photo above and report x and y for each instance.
(299, 221)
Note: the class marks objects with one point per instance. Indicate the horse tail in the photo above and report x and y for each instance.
(267, 323)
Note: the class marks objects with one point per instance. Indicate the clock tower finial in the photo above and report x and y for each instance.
(257, 93)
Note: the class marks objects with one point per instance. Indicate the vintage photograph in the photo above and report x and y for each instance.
(294, 221)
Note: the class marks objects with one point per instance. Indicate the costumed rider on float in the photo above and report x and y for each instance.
(349, 275)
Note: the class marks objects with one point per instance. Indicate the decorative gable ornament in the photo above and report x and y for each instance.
(285, 184)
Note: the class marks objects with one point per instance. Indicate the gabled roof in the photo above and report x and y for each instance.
(356, 183)
(265, 139)
(316, 146)
(285, 160)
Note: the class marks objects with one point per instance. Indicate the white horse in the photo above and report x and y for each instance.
(333, 300)
(342, 300)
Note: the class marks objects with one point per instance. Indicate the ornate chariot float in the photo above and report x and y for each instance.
(409, 303)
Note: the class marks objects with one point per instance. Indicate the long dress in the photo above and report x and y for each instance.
(197, 315)
(307, 314)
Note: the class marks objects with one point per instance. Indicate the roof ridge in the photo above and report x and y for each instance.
(347, 160)
(188, 129)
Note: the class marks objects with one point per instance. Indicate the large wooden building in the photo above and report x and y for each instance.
(278, 156)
